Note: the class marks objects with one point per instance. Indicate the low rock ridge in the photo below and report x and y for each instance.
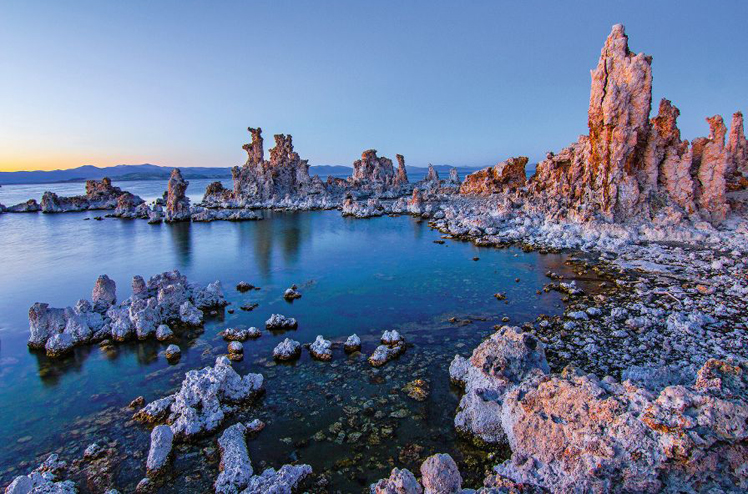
(100, 194)
(167, 298)
(571, 431)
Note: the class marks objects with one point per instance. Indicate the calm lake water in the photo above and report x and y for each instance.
(349, 421)
(148, 190)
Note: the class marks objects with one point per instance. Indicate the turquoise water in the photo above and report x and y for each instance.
(356, 276)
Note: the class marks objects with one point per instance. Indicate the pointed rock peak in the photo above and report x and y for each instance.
(255, 150)
(369, 154)
(176, 174)
(717, 129)
(283, 150)
(400, 160)
(432, 175)
(665, 123)
(737, 134)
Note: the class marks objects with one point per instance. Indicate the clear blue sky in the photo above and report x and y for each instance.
(459, 82)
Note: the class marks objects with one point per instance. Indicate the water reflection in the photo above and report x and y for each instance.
(181, 236)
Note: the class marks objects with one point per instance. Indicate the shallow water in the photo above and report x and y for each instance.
(346, 419)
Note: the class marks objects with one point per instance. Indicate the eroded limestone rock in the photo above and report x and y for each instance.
(177, 202)
(505, 176)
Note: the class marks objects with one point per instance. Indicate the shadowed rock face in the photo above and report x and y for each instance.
(177, 203)
(401, 176)
(261, 180)
(100, 194)
(630, 165)
(373, 170)
(507, 175)
(712, 160)
(737, 146)
(618, 119)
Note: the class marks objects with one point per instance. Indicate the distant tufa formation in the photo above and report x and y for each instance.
(629, 165)
(100, 194)
(284, 179)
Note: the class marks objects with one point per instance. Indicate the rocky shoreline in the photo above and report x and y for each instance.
(640, 387)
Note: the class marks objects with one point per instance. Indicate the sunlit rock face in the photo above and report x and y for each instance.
(629, 166)
(642, 440)
(711, 158)
(507, 175)
(618, 119)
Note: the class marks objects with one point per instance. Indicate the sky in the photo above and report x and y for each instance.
(177, 83)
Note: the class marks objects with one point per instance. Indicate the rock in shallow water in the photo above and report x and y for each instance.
(205, 398)
(160, 450)
(321, 349)
(352, 344)
(240, 334)
(235, 467)
(287, 349)
(172, 352)
(383, 354)
(166, 297)
(278, 321)
(43, 480)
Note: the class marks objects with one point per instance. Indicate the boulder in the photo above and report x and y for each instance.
(280, 322)
(235, 467)
(321, 349)
(287, 349)
(160, 450)
(352, 344)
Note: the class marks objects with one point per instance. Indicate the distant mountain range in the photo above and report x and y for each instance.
(155, 172)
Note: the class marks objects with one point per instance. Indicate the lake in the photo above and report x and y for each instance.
(350, 421)
(148, 190)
